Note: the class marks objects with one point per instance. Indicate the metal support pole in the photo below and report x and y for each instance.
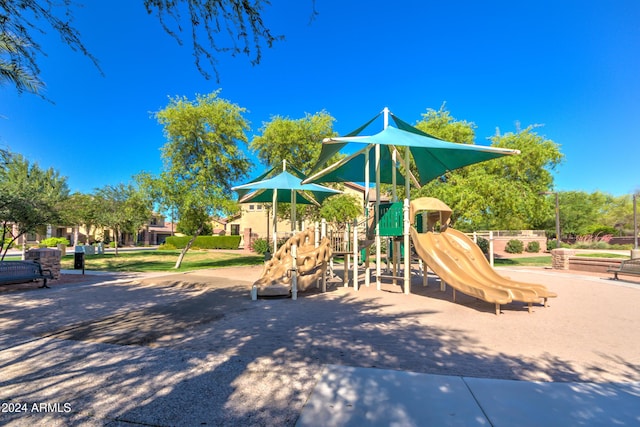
(491, 247)
(377, 220)
(294, 220)
(355, 254)
(275, 220)
(407, 249)
(367, 197)
(347, 266)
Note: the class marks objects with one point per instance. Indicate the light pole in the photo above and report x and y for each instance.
(635, 253)
(557, 215)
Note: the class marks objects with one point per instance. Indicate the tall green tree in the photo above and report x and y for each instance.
(81, 210)
(122, 208)
(232, 27)
(497, 194)
(31, 198)
(441, 124)
(298, 141)
(202, 158)
(583, 213)
(341, 208)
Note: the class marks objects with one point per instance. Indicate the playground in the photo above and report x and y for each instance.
(402, 226)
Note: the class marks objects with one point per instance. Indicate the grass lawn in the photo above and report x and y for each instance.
(163, 260)
(543, 260)
(602, 255)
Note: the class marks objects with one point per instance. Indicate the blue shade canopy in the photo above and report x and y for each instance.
(262, 191)
(433, 157)
(268, 174)
(352, 168)
(285, 188)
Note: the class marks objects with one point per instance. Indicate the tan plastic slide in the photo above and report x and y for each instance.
(434, 252)
(311, 265)
(474, 254)
(460, 263)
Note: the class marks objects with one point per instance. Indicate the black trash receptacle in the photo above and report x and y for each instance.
(78, 261)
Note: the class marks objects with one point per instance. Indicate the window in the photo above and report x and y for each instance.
(250, 207)
(235, 229)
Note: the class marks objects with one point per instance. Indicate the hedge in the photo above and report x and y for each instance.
(205, 242)
(52, 242)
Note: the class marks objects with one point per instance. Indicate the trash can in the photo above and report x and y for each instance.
(78, 261)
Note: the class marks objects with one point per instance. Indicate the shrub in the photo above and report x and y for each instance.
(552, 244)
(599, 230)
(205, 242)
(53, 242)
(166, 247)
(514, 246)
(484, 245)
(260, 246)
(533, 247)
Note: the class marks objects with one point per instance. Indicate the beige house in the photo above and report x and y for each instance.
(254, 219)
(153, 233)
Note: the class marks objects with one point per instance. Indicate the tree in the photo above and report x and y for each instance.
(583, 213)
(31, 198)
(215, 27)
(239, 20)
(341, 208)
(123, 208)
(297, 141)
(16, 72)
(616, 213)
(20, 20)
(202, 159)
(443, 125)
(82, 210)
(497, 194)
(189, 229)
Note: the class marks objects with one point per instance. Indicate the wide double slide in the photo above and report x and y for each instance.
(473, 252)
(459, 262)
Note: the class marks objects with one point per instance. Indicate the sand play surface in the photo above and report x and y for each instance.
(186, 345)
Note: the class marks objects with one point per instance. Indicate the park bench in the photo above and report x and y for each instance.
(629, 266)
(23, 271)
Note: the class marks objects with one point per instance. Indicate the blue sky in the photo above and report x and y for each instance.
(571, 66)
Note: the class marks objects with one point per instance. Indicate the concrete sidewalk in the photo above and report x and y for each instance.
(348, 396)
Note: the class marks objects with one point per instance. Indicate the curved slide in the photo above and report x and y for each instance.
(473, 252)
(455, 262)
